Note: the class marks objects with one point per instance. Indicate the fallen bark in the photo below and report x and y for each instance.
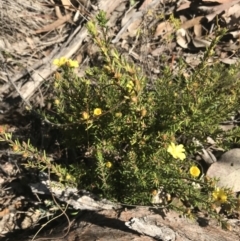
(173, 227)
(43, 71)
(78, 199)
(168, 226)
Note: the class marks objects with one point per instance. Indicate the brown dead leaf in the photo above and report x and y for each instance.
(55, 24)
(218, 1)
(219, 8)
(198, 30)
(163, 29)
(133, 27)
(145, 4)
(185, 5)
(163, 48)
(234, 11)
(4, 212)
(192, 22)
(66, 4)
(58, 12)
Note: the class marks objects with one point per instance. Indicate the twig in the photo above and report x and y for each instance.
(63, 213)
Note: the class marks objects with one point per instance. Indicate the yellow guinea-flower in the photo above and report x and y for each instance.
(177, 151)
(56, 101)
(2, 129)
(97, 111)
(85, 115)
(72, 63)
(60, 62)
(194, 171)
(108, 164)
(130, 85)
(219, 195)
(64, 61)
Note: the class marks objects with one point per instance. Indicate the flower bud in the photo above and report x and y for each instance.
(143, 112)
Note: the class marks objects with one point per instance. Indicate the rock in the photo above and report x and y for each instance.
(227, 169)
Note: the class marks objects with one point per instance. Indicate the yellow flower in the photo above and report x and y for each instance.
(56, 101)
(68, 177)
(60, 62)
(130, 85)
(25, 154)
(72, 63)
(97, 111)
(177, 151)
(63, 60)
(143, 112)
(108, 164)
(2, 129)
(15, 148)
(219, 195)
(194, 171)
(118, 114)
(85, 115)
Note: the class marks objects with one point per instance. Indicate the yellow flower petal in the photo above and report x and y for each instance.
(219, 195)
(72, 63)
(171, 148)
(57, 101)
(180, 148)
(60, 62)
(97, 111)
(108, 164)
(56, 62)
(176, 151)
(194, 171)
(85, 115)
(130, 85)
(181, 156)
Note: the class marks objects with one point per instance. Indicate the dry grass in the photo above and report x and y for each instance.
(19, 45)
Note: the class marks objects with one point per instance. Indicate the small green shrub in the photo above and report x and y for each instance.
(127, 128)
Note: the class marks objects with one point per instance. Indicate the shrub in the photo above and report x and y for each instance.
(137, 137)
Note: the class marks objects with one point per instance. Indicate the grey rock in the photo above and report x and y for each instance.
(227, 169)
